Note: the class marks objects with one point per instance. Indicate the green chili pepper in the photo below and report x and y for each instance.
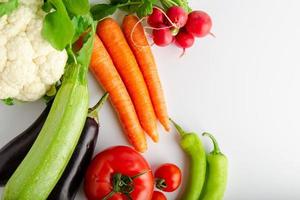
(216, 181)
(192, 146)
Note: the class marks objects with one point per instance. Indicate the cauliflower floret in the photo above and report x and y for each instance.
(29, 65)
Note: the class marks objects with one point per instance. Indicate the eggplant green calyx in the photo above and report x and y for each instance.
(216, 149)
(93, 112)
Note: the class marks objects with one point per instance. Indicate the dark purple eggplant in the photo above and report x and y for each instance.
(73, 175)
(12, 154)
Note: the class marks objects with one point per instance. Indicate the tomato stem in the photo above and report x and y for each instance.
(160, 183)
(109, 195)
(123, 184)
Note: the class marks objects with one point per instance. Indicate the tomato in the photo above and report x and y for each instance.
(116, 166)
(168, 177)
(158, 196)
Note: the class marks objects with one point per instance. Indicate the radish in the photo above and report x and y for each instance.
(178, 16)
(199, 23)
(156, 18)
(184, 39)
(162, 36)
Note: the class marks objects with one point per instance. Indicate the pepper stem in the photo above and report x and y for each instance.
(93, 112)
(178, 128)
(216, 145)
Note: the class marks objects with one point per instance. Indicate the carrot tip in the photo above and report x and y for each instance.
(140, 150)
(154, 136)
(168, 128)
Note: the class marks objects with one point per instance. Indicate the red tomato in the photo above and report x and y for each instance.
(168, 177)
(110, 163)
(158, 196)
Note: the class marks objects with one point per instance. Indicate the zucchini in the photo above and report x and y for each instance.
(44, 164)
(46, 161)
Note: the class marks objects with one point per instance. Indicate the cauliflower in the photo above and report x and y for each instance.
(29, 65)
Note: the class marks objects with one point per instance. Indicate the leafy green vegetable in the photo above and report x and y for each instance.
(58, 28)
(81, 24)
(85, 53)
(115, 2)
(47, 7)
(168, 4)
(77, 7)
(145, 8)
(100, 11)
(141, 7)
(8, 101)
(8, 7)
(182, 3)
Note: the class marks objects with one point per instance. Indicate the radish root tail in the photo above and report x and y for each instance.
(183, 53)
(132, 32)
(145, 28)
(211, 34)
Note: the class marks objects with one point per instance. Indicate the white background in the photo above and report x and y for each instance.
(242, 86)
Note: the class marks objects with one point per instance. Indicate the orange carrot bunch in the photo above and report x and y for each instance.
(128, 72)
(135, 35)
(104, 70)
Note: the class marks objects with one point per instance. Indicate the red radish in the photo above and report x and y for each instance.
(199, 23)
(184, 39)
(163, 36)
(156, 18)
(178, 16)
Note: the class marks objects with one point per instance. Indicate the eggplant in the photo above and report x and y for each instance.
(69, 183)
(12, 154)
(15, 151)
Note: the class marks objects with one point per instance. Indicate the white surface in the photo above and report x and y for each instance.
(242, 86)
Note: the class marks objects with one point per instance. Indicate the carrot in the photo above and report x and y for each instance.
(143, 54)
(113, 39)
(104, 70)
